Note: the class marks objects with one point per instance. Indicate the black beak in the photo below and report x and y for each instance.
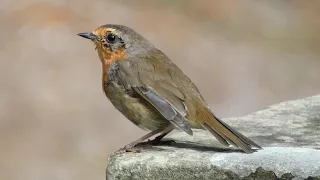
(87, 35)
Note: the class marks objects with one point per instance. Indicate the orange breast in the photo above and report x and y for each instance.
(107, 57)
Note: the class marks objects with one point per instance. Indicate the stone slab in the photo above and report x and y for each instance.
(288, 131)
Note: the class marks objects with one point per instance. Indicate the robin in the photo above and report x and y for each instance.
(152, 92)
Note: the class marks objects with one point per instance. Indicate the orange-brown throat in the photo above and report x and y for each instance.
(107, 56)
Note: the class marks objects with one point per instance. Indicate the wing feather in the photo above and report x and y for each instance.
(157, 90)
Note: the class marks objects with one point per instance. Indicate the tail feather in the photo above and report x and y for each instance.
(227, 135)
(216, 135)
(241, 136)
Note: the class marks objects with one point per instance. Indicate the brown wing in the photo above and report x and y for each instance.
(158, 85)
(156, 88)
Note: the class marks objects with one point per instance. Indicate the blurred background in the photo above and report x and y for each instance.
(55, 122)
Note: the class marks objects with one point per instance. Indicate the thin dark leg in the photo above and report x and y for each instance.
(157, 139)
(130, 147)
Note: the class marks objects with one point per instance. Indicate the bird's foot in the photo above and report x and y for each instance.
(129, 148)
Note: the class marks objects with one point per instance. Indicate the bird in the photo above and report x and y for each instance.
(152, 92)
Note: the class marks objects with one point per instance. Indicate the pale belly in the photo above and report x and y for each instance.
(137, 111)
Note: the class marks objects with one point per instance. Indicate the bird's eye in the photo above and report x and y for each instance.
(111, 38)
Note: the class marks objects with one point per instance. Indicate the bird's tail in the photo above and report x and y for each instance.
(227, 135)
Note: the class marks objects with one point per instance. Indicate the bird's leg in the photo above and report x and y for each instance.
(130, 147)
(157, 139)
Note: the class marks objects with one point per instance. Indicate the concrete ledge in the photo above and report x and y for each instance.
(289, 133)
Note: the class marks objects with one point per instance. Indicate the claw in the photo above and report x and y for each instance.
(129, 148)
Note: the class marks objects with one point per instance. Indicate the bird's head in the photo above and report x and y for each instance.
(117, 42)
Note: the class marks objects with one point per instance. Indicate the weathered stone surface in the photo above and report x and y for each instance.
(280, 160)
(289, 133)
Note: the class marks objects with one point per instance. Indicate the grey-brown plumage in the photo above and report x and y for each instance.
(151, 91)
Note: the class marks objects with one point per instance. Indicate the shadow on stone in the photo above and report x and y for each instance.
(185, 145)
